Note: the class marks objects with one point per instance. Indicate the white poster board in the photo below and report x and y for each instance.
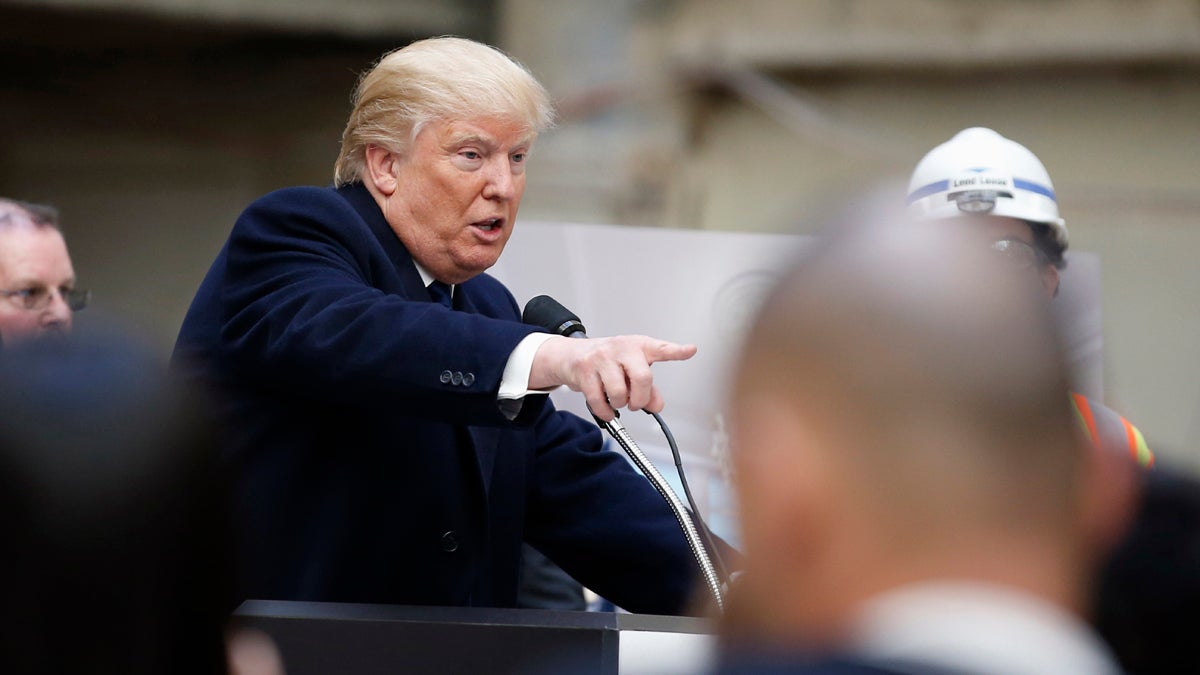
(704, 287)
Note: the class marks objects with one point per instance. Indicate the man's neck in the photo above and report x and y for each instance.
(820, 607)
(426, 277)
(955, 624)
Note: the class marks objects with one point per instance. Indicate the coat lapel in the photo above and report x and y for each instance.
(485, 439)
(364, 204)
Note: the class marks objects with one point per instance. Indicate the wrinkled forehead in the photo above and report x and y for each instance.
(492, 130)
(31, 253)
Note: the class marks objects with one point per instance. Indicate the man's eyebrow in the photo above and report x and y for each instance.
(26, 282)
(29, 282)
(472, 138)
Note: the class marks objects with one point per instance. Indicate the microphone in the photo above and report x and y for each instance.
(546, 312)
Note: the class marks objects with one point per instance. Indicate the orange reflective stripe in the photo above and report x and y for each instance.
(1085, 411)
(1137, 445)
(1131, 436)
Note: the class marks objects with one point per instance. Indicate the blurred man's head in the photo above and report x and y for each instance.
(37, 281)
(900, 414)
(113, 510)
(998, 189)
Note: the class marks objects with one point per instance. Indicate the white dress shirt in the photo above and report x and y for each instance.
(979, 628)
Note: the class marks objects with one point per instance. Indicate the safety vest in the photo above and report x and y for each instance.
(1109, 430)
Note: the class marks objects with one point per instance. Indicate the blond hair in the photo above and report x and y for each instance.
(441, 78)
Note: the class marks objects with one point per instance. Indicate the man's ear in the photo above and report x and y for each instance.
(1050, 280)
(381, 169)
(787, 506)
(784, 483)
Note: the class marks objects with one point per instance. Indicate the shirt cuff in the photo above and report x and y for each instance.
(514, 382)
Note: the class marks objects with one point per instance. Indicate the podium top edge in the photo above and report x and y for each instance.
(337, 611)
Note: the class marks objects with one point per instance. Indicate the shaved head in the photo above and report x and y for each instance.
(900, 411)
(913, 342)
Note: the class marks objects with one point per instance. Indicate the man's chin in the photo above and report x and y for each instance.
(469, 269)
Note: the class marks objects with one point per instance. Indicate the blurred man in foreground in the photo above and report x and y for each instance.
(1001, 191)
(118, 553)
(37, 281)
(915, 495)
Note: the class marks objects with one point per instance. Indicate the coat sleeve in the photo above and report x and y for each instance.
(591, 513)
(299, 310)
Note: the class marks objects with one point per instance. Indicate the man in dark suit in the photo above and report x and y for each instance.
(915, 495)
(389, 427)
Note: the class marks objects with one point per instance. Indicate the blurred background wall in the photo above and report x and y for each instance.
(152, 123)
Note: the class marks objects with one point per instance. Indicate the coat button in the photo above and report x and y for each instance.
(457, 378)
(445, 377)
(468, 379)
(449, 542)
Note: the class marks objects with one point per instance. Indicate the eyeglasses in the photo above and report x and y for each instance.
(1019, 254)
(37, 298)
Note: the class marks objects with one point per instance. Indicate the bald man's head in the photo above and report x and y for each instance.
(912, 341)
(900, 401)
(37, 278)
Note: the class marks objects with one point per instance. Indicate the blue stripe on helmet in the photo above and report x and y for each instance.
(931, 189)
(943, 185)
(1035, 187)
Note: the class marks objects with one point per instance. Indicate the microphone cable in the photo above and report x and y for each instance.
(550, 315)
(705, 532)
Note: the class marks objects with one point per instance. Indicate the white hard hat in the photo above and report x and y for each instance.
(980, 171)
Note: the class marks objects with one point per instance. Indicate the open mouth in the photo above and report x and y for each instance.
(489, 225)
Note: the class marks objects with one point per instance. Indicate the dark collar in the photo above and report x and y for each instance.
(360, 198)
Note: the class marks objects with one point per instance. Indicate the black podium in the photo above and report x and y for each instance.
(327, 638)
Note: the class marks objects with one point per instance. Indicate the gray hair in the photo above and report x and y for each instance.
(41, 215)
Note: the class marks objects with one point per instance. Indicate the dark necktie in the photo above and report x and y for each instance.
(441, 294)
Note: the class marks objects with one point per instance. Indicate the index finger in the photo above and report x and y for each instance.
(662, 350)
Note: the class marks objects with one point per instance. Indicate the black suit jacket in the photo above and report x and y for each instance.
(373, 463)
